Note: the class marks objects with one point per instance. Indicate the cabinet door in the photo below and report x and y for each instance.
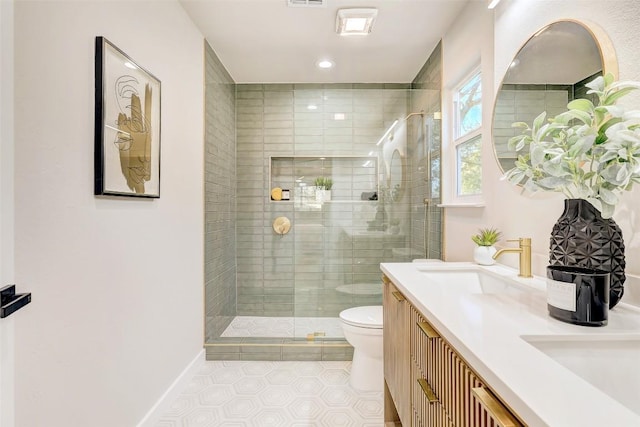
(489, 410)
(427, 408)
(426, 351)
(466, 399)
(462, 409)
(426, 373)
(396, 351)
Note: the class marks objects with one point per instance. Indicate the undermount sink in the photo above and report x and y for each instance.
(475, 281)
(609, 363)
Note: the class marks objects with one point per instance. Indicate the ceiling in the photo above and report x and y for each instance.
(266, 41)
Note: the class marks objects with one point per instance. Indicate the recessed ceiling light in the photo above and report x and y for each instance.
(355, 22)
(325, 64)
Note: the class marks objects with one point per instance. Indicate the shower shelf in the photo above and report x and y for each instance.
(351, 176)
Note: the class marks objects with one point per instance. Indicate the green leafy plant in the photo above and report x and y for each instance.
(486, 237)
(324, 183)
(591, 151)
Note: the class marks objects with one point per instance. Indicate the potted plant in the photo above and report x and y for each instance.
(485, 239)
(591, 154)
(323, 189)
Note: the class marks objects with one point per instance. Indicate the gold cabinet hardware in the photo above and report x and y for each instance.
(385, 279)
(428, 330)
(397, 295)
(495, 408)
(426, 389)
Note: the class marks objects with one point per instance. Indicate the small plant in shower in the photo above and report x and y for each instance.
(323, 189)
(324, 183)
(485, 249)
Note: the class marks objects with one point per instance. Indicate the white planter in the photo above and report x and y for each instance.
(483, 255)
(323, 195)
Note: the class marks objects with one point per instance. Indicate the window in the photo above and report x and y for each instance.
(469, 106)
(469, 167)
(468, 142)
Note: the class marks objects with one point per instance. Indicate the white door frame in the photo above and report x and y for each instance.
(7, 347)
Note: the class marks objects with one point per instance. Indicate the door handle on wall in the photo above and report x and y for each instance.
(10, 302)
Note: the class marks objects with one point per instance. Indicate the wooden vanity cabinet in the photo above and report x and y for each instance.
(426, 379)
(395, 335)
(442, 390)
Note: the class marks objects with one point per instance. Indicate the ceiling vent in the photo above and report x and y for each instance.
(307, 3)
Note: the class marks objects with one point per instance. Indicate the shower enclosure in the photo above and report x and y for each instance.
(353, 168)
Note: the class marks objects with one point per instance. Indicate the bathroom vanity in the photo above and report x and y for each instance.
(474, 346)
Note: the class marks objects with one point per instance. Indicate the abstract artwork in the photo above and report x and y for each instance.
(127, 125)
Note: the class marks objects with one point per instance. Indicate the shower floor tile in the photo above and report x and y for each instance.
(286, 327)
(283, 394)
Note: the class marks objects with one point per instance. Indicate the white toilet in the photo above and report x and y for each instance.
(362, 327)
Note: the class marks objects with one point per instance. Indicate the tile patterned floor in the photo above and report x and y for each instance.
(282, 394)
(285, 327)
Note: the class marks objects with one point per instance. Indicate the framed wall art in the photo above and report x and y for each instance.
(127, 125)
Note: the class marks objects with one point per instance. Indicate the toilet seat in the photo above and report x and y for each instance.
(369, 317)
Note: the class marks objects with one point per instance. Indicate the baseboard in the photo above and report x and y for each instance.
(174, 390)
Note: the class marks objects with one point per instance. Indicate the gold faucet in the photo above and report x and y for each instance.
(524, 250)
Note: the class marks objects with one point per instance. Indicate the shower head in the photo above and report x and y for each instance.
(421, 113)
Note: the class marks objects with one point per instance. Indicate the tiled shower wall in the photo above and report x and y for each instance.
(297, 274)
(220, 194)
(251, 270)
(523, 103)
(424, 167)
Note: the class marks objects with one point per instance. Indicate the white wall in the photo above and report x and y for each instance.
(515, 214)
(466, 45)
(117, 308)
(7, 325)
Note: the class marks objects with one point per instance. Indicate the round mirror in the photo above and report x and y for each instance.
(396, 176)
(550, 70)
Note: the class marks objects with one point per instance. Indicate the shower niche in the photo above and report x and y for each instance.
(308, 182)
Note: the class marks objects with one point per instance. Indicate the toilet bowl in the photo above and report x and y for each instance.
(362, 327)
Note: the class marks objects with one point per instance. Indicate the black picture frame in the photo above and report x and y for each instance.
(127, 125)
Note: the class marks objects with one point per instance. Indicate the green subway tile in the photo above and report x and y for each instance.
(221, 349)
(223, 356)
(300, 352)
(337, 353)
(261, 356)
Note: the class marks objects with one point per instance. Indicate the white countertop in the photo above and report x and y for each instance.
(487, 331)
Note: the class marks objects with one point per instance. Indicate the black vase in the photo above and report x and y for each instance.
(582, 238)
